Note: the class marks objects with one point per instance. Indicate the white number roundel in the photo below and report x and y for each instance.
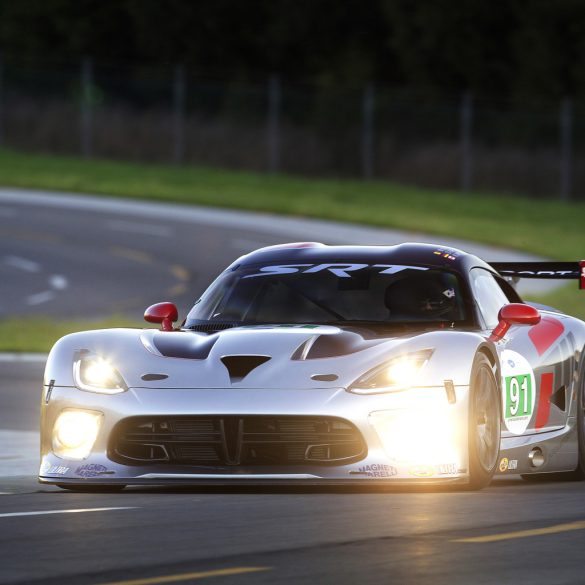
(518, 391)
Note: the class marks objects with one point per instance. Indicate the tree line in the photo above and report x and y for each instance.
(526, 49)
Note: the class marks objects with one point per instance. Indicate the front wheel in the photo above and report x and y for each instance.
(484, 425)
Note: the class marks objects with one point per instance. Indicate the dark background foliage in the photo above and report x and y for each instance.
(508, 48)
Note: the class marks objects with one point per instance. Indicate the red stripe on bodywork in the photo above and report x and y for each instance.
(582, 274)
(545, 333)
(546, 388)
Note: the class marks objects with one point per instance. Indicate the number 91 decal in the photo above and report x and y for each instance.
(519, 392)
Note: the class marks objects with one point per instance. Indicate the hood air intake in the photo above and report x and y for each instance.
(239, 366)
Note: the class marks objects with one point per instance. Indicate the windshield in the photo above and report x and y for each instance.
(330, 293)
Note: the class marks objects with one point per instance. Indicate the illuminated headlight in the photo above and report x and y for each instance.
(398, 374)
(420, 437)
(95, 374)
(75, 432)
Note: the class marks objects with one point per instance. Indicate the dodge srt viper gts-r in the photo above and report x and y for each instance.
(306, 363)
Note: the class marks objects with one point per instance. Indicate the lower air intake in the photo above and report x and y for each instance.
(236, 441)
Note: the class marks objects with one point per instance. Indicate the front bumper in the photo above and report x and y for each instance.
(381, 463)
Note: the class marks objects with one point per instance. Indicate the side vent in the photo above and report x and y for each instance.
(559, 398)
(239, 366)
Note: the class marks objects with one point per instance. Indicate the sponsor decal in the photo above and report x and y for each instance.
(339, 270)
(422, 471)
(508, 464)
(519, 393)
(446, 253)
(377, 470)
(91, 470)
(432, 470)
(538, 273)
(582, 274)
(48, 469)
(446, 469)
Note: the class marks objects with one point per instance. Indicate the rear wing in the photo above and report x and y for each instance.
(548, 270)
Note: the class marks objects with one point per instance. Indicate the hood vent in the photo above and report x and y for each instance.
(191, 346)
(239, 366)
(328, 346)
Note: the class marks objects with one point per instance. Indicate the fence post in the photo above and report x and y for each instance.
(273, 124)
(466, 157)
(368, 103)
(566, 137)
(86, 107)
(179, 94)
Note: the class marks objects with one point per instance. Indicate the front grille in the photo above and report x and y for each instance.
(236, 441)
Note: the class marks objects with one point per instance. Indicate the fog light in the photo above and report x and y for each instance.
(419, 437)
(75, 432)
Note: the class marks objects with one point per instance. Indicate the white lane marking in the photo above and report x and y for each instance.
(72, 511)
(23, 357)
(58, 282)
(149, 229)
(21, 263)
(40, 298)
(241, 244)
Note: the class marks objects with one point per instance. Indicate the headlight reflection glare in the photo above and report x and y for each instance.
(95, 374)
(402, 372)
(429, 437)
(399, 373)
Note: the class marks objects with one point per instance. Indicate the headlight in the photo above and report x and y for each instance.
(398, 374)
(75, 432)
(95, 374)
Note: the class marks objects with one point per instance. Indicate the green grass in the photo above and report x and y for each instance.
(38, 334)
(569, 299)
(548, 228)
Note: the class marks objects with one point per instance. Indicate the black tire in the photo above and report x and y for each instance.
(96, 489)
(484, 424)
(579, 472)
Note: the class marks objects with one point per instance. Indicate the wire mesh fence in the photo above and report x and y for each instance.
(173, 116)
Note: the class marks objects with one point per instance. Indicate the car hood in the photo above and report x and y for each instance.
(291, 357)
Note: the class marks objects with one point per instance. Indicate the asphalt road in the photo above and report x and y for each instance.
(512, 532)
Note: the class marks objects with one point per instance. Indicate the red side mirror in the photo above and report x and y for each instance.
(514, 314)
(164, 313)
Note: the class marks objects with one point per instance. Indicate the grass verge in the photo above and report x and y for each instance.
(550, 228)
(38, 334)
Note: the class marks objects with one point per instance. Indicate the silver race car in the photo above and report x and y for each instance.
(306, 363)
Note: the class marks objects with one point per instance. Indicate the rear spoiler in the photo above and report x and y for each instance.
(548, 270)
